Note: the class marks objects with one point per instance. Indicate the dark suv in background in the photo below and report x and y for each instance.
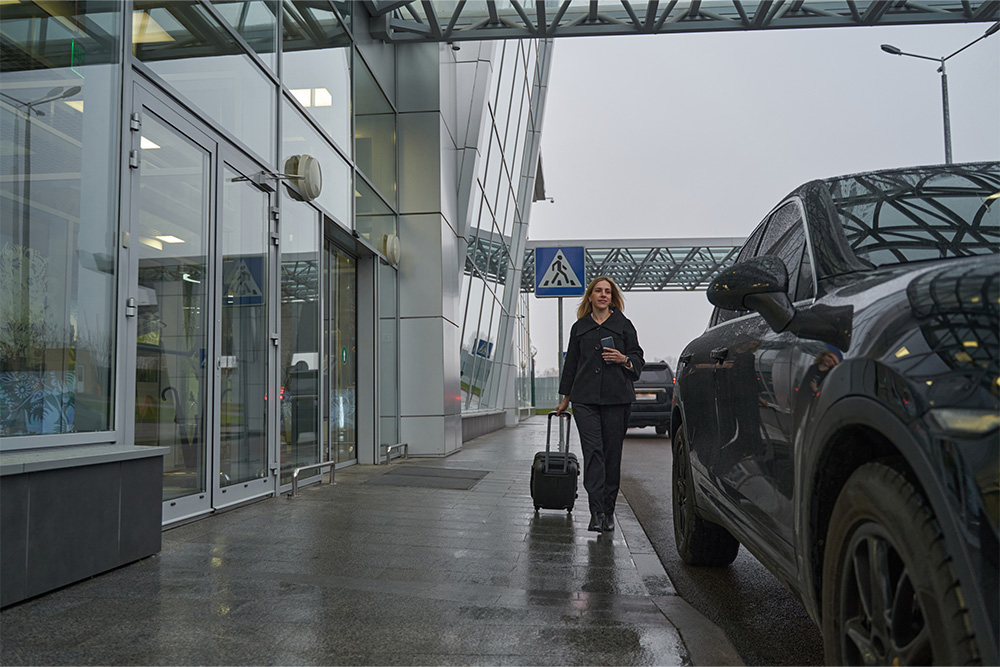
(840, 415)
(654, 394)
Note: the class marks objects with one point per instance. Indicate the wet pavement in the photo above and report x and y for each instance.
(423, 561)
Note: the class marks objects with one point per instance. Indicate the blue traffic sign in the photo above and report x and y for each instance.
(560, 271)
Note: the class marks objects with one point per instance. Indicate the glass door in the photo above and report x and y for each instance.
(198, 294)
(340, 375)
(168, 298)
(243, 342)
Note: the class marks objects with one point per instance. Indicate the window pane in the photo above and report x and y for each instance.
(374, 218)
(316, 59)
(299, 138)
(257, 23)
(58, 220)
(208, 67)
(300, 363)
(374, 133)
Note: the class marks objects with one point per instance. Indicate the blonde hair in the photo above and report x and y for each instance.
(586, 307)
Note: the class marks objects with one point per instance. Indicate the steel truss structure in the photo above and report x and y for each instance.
(465, 20)
(637, 265)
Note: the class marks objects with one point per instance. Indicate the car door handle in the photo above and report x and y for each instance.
(720, 353)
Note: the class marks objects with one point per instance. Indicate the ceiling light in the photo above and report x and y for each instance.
(322, 97)
(152, 243)
(167, 238)
(146, 143)
(145, 30)
(304, 96)
(76, 104)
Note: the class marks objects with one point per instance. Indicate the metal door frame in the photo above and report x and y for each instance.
(146, 97)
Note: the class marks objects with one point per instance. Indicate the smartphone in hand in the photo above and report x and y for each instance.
(608, 341)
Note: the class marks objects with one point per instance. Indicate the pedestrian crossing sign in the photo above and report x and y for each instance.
(559, 271)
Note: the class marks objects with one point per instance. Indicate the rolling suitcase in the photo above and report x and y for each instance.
(554, 473)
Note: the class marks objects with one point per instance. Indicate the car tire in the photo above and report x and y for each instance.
(890, 594)
(661, 429)
(699, 542)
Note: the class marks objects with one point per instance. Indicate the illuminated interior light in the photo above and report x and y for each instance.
(963, 357)
(187, 277)
(902, 352)
(145, 29)
(929, 382)
(993, 196)
(322, 97)
(167, 238)
(76, 104)
(970, 343)
(152, 243)
(146, 143)
(303, 95)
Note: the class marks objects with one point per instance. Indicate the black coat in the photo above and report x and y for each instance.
(585, 377)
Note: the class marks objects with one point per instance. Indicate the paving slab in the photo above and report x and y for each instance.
(368, 572)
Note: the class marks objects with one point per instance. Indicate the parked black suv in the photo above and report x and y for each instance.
(840, 415)
(654, 394)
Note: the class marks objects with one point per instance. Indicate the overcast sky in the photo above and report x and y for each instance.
(667, 136)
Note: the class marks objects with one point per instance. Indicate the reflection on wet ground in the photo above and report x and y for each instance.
(359, 573)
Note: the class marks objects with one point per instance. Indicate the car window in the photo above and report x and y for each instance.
(921, 213)
(748, 250)
(656, 375)
(786, 238)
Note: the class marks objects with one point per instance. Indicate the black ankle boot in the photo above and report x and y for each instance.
(596, 522)
(609, 522)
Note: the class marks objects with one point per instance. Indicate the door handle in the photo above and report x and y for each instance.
(720, 353)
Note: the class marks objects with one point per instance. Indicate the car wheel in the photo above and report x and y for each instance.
(661, 429)
(699, 542)
(890, 595)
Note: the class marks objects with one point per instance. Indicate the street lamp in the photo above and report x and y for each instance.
(892, 50)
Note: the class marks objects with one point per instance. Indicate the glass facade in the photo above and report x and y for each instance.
(59, 118)
(494, 333)
(170, 281)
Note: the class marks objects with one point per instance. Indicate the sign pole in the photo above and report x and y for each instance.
(559, 272)
(559, 353)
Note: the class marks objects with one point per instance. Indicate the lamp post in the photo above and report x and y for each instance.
(892, 50)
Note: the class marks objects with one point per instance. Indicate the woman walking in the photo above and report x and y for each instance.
(603, 358)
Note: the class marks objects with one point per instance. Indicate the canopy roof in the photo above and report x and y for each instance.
(462, 20)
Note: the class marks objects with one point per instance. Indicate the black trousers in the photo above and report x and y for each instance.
(602, 430)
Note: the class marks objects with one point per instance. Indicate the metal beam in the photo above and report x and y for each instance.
(421, 20)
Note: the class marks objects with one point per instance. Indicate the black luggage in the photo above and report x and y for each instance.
(554, 473)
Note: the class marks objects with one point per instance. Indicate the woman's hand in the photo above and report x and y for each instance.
(613, 355)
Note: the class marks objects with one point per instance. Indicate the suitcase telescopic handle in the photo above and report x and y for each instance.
(548, 432)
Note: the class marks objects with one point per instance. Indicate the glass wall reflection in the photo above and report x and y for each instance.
(493, 331)
(244, 335)
(58, 220)
(183, 43)
(340, 367)
(173, 290)
(316, 67)
(300, 331)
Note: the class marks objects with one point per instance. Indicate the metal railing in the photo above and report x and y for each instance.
(399, 445)
(332, 465)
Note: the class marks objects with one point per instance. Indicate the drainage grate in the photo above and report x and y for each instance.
(435, 478)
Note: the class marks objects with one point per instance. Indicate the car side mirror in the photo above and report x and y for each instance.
(758, 284)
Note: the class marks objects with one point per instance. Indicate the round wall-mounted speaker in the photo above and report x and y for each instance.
(389, 246)
(307, 177)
